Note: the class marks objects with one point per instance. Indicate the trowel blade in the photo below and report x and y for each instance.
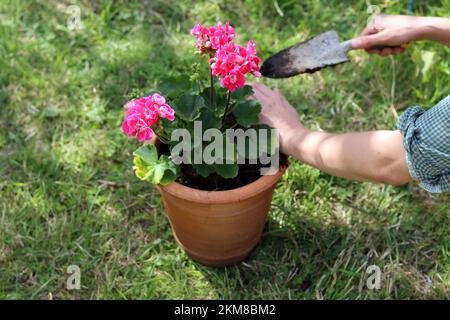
(322, 50)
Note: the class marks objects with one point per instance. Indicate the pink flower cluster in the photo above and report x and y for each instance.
(213, 38)
(232, 62)
(143, 113)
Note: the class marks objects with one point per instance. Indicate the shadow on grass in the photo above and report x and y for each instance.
(327, 258)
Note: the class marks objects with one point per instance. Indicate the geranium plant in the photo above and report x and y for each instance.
(218, 100)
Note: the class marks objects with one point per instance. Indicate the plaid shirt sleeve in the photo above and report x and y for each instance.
(427, 144)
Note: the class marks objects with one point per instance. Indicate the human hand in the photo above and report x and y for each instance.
(278, 113)
(389, 30)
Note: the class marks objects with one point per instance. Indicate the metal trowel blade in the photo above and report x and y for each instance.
(321, 51)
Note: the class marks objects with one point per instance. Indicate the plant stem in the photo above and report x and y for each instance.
(162, 136)
(163, 139)
(226, 108)
(211, 91)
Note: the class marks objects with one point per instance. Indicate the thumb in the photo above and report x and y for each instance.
(369, 41)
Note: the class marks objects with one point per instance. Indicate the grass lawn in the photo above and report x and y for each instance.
(68, 194)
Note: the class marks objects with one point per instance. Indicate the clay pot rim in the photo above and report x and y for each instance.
(225, 196)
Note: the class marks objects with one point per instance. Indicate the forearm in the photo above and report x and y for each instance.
(376, 156)
(433, 28)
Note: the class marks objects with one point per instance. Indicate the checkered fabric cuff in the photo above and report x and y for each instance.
(427, 144)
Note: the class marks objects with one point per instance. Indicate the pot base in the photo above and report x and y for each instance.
(218, 261)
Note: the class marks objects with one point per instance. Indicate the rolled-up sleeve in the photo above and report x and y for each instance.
(427, 144)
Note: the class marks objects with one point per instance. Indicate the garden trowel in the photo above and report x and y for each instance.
(321, 51)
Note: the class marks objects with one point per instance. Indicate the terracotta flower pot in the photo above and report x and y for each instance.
(219, 228)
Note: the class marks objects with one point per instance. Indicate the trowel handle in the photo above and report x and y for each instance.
(381, 47)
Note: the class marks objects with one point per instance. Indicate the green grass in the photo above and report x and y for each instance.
(68, 195)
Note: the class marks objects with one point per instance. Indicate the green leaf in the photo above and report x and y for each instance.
(140, 167)
(242, 93)
(250, 140)
(175, 86)
(204, 169)
(271, 141)
(148, 167)
(170, 170)
(247, 113)
(227, 171)
(188, 106)
(167, 126)
(265, 143)
(206, 96)
(147, 153)
(220, 99)
(209, 120)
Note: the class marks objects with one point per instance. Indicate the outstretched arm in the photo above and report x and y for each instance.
(395, 30)
(376, 156)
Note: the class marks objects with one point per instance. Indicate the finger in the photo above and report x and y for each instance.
(369, 41)
(280, 96)
(257, 91)
(255, 86)
(370, 30)
(262, 117)
(263, 89)
(386, 51)
(373, 51)
(374, 25)
(398, 50)
(258, 95)
(265, 120)
(263, 100)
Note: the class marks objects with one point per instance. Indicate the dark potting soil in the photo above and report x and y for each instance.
(189, 177)
(248, 173)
